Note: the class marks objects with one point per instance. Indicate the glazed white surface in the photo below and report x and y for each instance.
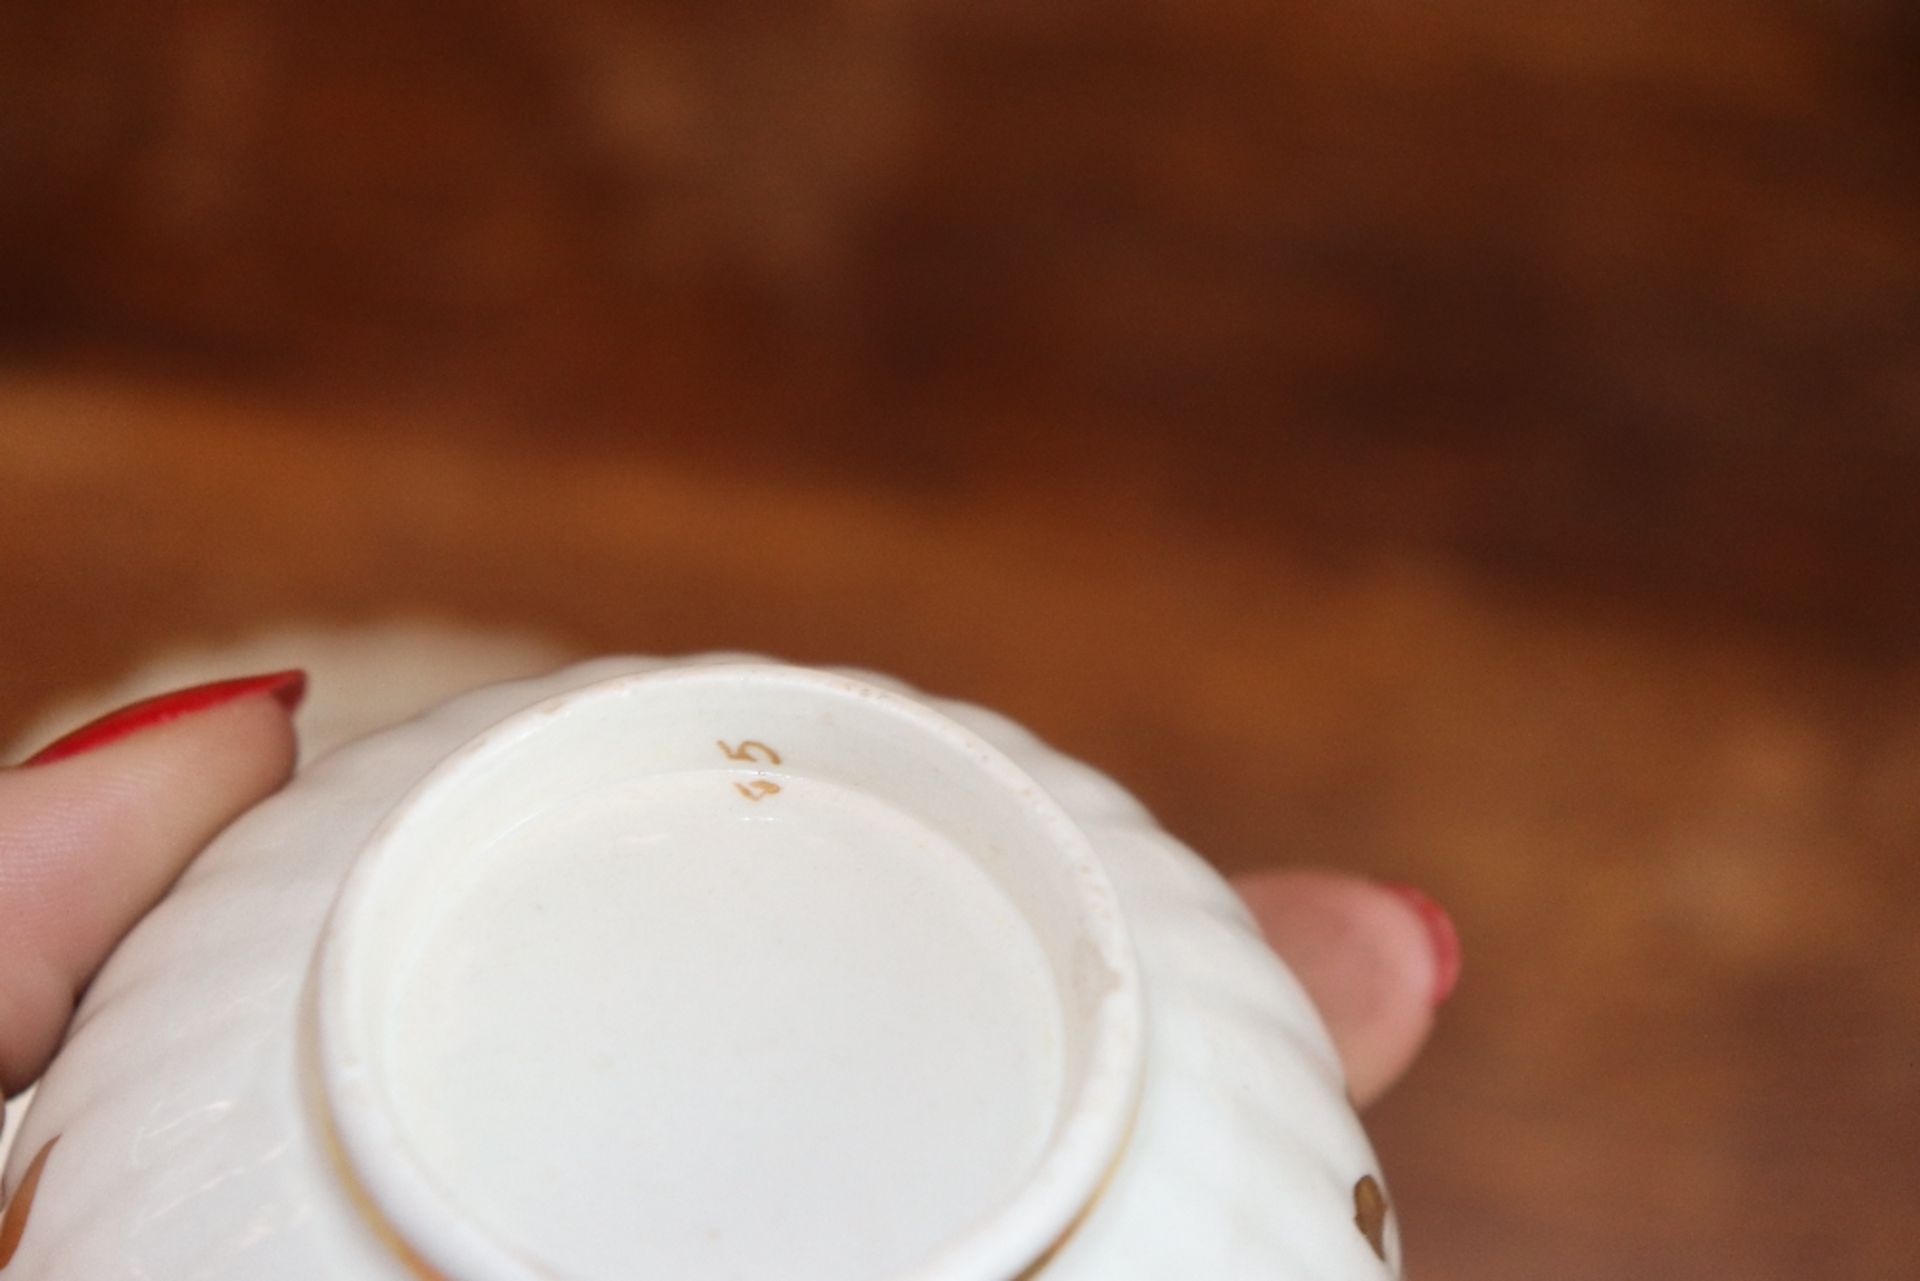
(184, 1097)
(850, 1134)
(702, 1031)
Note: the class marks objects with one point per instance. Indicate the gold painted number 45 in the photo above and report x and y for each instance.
(753, 752)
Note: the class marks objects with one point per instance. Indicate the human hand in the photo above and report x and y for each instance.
(95, 827)
(93, 830)
(1378, 960)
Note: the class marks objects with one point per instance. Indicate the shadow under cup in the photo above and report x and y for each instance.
(737, 970)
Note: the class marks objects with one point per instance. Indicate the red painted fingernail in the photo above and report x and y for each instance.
(288, 688)
(1445, 939)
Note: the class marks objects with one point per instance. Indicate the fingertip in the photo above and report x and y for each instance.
(1370, 957)
(1442, 936)
(287, 688)
(91, 838)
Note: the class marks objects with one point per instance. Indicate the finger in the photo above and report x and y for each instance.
(1378, 961)
(95, 828)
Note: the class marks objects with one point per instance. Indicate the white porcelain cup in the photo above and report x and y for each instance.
(710, 969)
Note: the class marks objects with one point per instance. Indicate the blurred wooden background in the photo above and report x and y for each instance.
(1474, 443)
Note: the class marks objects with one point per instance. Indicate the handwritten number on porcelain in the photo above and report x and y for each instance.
(752, 751)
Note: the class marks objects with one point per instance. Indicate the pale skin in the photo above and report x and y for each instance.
(90, 842)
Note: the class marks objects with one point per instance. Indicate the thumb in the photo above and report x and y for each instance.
(95, 827)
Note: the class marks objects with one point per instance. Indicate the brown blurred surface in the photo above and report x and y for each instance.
(1476, 444)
